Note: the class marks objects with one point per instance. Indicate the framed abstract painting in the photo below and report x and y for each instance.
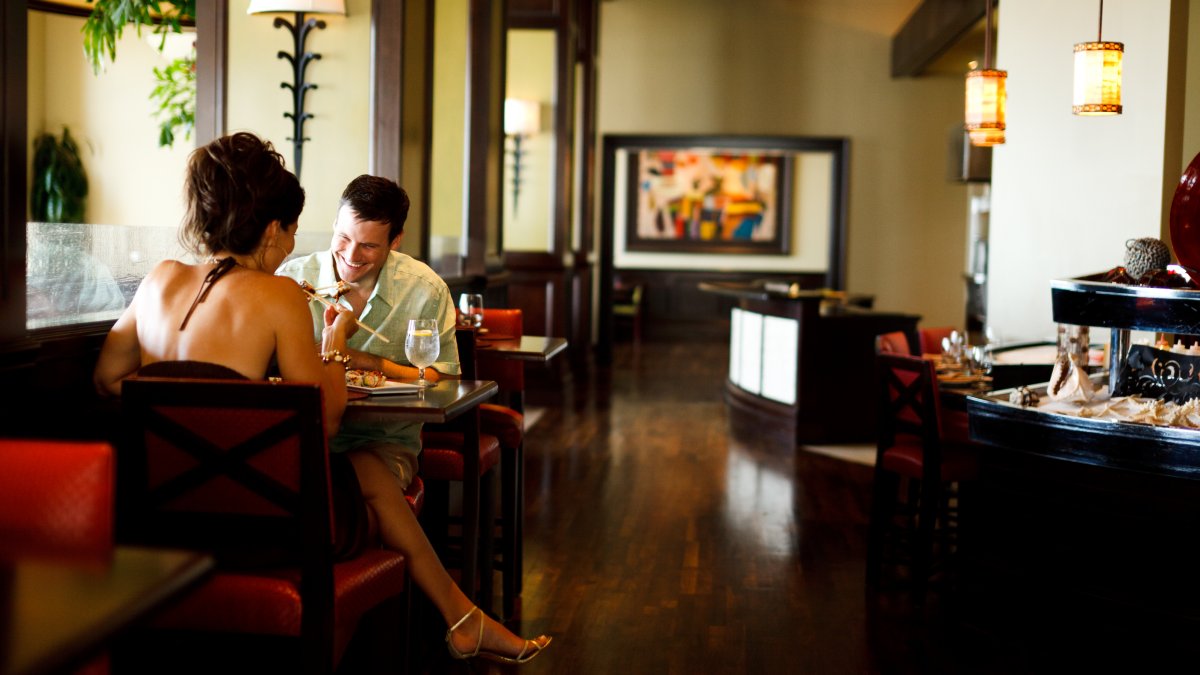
(708, 195)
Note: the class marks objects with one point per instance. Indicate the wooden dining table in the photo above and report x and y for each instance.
(56, 614)
(533, 348)
(447, 400)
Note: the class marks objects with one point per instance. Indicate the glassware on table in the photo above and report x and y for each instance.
(981, 359)
(955, 352)
(471, 307)
(422, 344)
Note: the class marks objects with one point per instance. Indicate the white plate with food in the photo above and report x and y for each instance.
(388, 387)
(374, 383)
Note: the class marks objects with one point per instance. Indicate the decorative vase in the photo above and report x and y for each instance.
(1185, 219)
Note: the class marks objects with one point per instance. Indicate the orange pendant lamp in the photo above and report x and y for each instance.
(1098, 75)
(986, 96)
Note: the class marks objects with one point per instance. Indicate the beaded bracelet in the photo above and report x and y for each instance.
(336, 356)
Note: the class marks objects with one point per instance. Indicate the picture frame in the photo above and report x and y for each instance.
(708, 194)
(810, 238)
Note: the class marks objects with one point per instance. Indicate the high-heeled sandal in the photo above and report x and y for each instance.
(524, 657)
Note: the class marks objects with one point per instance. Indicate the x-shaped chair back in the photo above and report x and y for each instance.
(241, 468)
(909, 404)
(223, 464)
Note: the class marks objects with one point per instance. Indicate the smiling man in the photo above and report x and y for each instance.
(384, 288)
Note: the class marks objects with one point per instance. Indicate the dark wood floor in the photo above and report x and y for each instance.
(658, 543)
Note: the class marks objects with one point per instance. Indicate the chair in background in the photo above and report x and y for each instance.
(893, 343)
(627, 307)
(442, 463)
(241, 468)
(916, 496)
(931, 338)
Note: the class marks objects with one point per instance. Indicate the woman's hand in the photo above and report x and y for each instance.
(341, 319)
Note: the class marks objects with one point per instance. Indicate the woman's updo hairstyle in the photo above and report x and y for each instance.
(235, 186)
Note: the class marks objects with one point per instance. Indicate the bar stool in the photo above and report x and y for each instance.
(919, 473)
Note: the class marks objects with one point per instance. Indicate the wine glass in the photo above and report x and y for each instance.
(422, 344)
(981, 359)
(471, 306)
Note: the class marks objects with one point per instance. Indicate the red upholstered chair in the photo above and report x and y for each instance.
(241, 468)
(892, 343)
(443, 463)
(918, 475)
(415, 494)
(931, 338)
(56, 497)
(56, 500)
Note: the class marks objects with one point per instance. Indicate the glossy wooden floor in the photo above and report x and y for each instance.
(658, 543)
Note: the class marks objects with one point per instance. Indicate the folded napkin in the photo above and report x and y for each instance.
(1069, 381)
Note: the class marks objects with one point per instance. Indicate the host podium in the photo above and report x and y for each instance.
(804, 361)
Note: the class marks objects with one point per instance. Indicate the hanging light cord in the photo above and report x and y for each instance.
(1100, 25)
(987, 38)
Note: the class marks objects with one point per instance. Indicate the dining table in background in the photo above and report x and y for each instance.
(447, 400)
(528, 348)
(56, 614)
(533, 348)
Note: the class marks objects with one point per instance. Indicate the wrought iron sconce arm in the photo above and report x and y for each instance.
(299, 60)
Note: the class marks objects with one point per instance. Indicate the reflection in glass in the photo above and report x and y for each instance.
(79, 273)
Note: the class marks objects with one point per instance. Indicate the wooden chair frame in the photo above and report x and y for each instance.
(920, 398)
(293, 513)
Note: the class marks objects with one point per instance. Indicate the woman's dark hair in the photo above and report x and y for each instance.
(377, 199)
(235, 186)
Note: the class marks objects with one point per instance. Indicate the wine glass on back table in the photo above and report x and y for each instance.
(471, 306)
(421, 346)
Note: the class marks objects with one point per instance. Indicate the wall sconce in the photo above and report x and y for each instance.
(521, 118)
(1098, 75)
(298, 58)
(987, 98)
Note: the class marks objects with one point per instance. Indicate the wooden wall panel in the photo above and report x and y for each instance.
(536, 296)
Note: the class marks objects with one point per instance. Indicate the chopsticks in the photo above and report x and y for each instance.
(312, 294)
(338, 286)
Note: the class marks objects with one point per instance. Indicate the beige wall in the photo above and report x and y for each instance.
(132, 181)
(808, 69)
(1068, 191)
(339, 130)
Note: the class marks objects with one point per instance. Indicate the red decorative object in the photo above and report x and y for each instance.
(1185, 219)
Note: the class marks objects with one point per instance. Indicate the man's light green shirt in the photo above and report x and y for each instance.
(407, 289)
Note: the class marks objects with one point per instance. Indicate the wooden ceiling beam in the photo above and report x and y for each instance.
(934, 27)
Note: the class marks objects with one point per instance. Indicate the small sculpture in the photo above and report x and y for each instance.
(1146, 255)
(1023, 396)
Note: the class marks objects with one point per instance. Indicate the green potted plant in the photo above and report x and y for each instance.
(60, 184)
(175, 88)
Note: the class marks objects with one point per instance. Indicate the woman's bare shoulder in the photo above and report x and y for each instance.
(273, 292)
